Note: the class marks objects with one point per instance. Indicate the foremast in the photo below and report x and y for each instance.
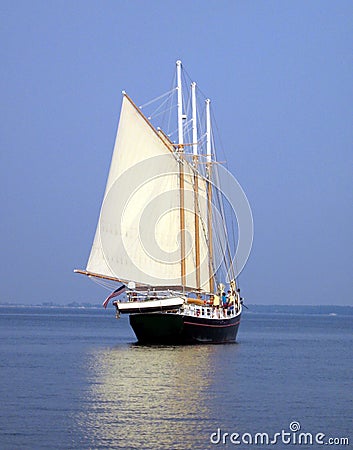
(181, 175)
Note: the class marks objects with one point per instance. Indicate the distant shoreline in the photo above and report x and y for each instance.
(252, 308)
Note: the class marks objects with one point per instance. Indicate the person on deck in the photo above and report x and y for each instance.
(231, 301)
(216, 303)
(224, 299)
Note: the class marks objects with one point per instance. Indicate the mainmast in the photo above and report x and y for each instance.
(196, 184)
(181, 174)
(209, 194)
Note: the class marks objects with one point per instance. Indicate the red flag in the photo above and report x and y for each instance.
(117, 292)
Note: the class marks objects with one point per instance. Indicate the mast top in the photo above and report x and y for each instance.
(208, 131)
(180, 105)
(194, 119)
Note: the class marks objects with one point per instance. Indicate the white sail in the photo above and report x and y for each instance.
(200, 208)
(138, 233)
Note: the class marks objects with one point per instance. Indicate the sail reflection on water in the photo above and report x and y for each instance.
(148, 397)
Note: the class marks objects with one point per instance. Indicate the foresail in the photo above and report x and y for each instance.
(138, 233)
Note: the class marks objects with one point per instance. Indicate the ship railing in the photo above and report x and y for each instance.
(208, 312)
(141, 296)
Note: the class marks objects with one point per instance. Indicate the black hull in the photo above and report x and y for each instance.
(171, 328)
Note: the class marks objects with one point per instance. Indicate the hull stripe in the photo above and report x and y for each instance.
(215, 326)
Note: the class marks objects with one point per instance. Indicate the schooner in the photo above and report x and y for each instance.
(162, 233)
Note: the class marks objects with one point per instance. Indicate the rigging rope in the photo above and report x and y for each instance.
(108, 285)
(157, 98)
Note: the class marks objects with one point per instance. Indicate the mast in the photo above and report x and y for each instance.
(209, 194)
(194, 119)
(196, 184)
(208, 131)
(180, 105)
(181, 175)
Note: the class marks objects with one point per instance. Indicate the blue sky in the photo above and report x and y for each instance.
(279, 74)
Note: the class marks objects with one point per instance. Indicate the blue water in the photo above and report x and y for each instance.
(74, 379)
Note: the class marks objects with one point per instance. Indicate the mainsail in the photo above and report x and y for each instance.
(138, 233)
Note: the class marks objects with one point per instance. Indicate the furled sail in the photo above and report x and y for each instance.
(138, 232)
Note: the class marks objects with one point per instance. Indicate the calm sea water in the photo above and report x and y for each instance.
(74, 379)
